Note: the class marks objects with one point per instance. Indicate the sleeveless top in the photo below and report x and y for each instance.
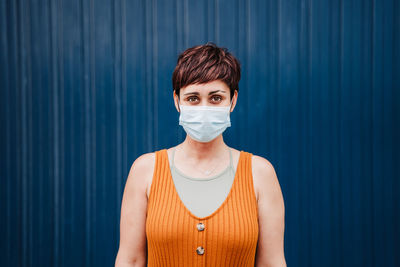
(192, 190)
(177, 237)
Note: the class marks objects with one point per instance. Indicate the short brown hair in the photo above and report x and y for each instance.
(206, 63)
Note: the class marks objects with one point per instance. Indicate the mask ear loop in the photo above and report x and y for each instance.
(230, 106)
(179, 105)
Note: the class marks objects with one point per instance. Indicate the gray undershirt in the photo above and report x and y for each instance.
(203, 196)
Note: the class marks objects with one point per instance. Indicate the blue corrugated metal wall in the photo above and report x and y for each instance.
(86, 89)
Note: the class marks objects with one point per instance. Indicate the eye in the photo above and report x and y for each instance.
(194, 98)
(216, 98)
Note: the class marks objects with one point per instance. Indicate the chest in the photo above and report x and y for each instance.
(255, 178)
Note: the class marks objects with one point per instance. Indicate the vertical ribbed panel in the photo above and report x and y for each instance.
(231, 232)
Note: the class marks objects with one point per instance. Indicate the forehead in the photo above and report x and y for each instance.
(206, 87)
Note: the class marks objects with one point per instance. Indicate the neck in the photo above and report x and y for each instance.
(200, 151)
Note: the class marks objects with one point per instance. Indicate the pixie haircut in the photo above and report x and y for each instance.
(206, 63)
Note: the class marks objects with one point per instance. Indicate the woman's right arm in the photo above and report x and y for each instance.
(132, 244)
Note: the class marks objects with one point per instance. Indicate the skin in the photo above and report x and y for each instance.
(191, 157)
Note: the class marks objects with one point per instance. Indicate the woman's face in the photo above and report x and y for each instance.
(215, 93)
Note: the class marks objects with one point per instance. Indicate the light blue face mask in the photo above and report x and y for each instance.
(204, 123)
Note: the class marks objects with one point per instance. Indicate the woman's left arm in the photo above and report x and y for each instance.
(271, 215)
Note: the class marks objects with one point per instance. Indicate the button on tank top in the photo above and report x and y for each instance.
(177, 237)
(202, 196)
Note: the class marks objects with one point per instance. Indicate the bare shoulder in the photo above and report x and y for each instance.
(271, 214)
(132, 246)
(264, 177)
(141, 171)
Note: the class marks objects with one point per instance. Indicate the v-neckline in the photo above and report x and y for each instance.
(175, 192)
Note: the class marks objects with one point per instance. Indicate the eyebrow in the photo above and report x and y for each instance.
(210, 93)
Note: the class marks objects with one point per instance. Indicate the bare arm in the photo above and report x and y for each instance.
(270, 249)
(132, 246)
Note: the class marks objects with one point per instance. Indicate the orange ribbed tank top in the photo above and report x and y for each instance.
(176, 237)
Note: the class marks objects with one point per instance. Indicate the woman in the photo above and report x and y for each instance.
(202, 203)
